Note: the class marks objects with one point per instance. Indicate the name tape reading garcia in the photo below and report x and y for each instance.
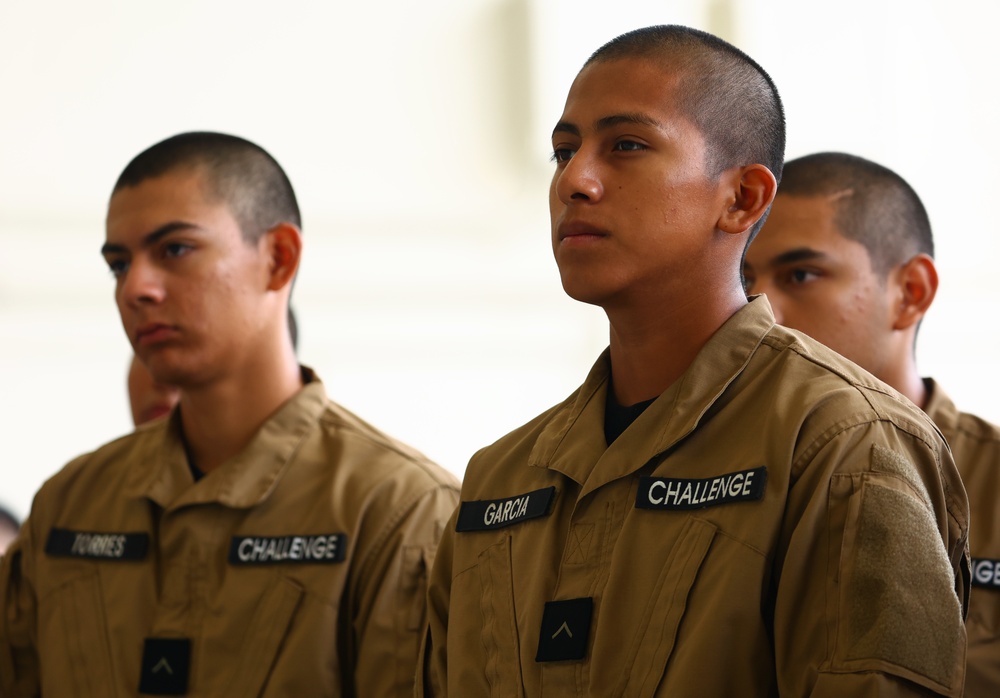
(489, 514)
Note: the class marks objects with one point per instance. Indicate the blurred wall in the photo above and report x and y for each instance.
(416, 135)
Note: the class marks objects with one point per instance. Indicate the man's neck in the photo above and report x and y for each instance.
(220, 419)
(652, 347)
(899, 368)
(908, 382)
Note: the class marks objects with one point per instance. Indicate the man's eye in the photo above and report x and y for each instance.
(175, 249)
(629, 146)
(562, 154)
(801, 276)
(118, 267)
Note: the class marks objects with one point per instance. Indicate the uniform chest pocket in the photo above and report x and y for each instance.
(73, 618)
(268, 630)
(487, 662)
(656, 629)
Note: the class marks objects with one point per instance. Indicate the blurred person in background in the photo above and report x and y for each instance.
(149, 399)
(847, 257)
(9, 527)
(261, 540)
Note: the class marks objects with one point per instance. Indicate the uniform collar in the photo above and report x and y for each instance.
(573, 441)
(941, 409)
(247, 479)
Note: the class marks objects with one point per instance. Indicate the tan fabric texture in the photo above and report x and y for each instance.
(975, 444)
(842, 579)
(76, 626)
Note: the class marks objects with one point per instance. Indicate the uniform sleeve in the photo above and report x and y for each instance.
(432, 666)
(19, 673)
(391, 599)
(870, 587)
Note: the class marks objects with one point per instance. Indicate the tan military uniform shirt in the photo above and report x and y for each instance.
(296, 569)
(976, 446)
(777, 522)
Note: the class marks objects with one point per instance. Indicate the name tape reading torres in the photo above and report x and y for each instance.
(63, 542)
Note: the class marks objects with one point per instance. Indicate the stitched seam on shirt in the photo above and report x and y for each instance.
(373, 438)
(394, 523)
(748, 546)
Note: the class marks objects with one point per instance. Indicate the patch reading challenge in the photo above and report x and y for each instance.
(326, 548)
(488, 514)
(986, 573)
(678, 494)
(63, 542)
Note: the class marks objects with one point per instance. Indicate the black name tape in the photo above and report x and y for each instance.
(674, 493)
(986, 573)
(488, 514)
(92, 545)
(326, 548)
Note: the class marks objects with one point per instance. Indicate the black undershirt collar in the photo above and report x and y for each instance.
(618, 418)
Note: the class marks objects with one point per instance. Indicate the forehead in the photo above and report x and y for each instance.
(625, 85)
(179, 196)
(811, 218)
(797, 222)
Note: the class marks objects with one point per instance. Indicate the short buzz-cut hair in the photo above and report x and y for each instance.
(872, 205)
(732, 100)
(238, 172)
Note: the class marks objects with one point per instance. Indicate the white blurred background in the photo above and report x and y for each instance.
(416, 135)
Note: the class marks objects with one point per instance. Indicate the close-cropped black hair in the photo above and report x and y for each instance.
(873, 205)
(724, 92)
(238, 172)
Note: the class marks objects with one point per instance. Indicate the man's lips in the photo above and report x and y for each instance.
(578, 231)
(156, 411)
(153, 333)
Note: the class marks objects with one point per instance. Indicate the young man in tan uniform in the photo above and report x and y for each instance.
(846, 256)
(724, 507)
(261, 540)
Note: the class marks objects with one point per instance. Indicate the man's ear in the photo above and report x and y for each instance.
(918, 283)
(751, 190)
(283, 245)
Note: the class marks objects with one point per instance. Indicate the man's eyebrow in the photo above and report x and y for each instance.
(627, 118)
(566, 127)
(150, 239)
(799, 254)
(606, 122)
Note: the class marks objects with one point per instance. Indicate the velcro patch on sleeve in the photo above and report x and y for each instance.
(899, 599)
